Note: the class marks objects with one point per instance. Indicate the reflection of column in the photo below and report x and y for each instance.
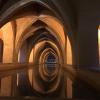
(6, 86)
(7, 36)
(69, 88)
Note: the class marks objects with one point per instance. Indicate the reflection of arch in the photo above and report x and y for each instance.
(37, 57)
(43, 57)
(43, 67)
(56, 85)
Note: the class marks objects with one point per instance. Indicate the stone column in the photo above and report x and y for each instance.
(7, 36)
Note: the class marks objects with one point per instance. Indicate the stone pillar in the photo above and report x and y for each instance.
(87, 38)
(69, 52)
(30, 72)
(1, 50)
(22, 81)
(7, 36)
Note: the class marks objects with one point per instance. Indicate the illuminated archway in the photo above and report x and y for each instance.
(28, 18)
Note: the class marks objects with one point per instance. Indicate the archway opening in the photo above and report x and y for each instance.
(50, 62)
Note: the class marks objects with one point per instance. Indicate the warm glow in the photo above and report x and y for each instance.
(6, 34)
(22, 24)
(7, 37)
(36, 71)
(69, 52)
(31, 57)
(19, 56)
(99, 43)
(69, 61)
(54, 24)
(17, 79)
(30, 71)
(0, 34)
